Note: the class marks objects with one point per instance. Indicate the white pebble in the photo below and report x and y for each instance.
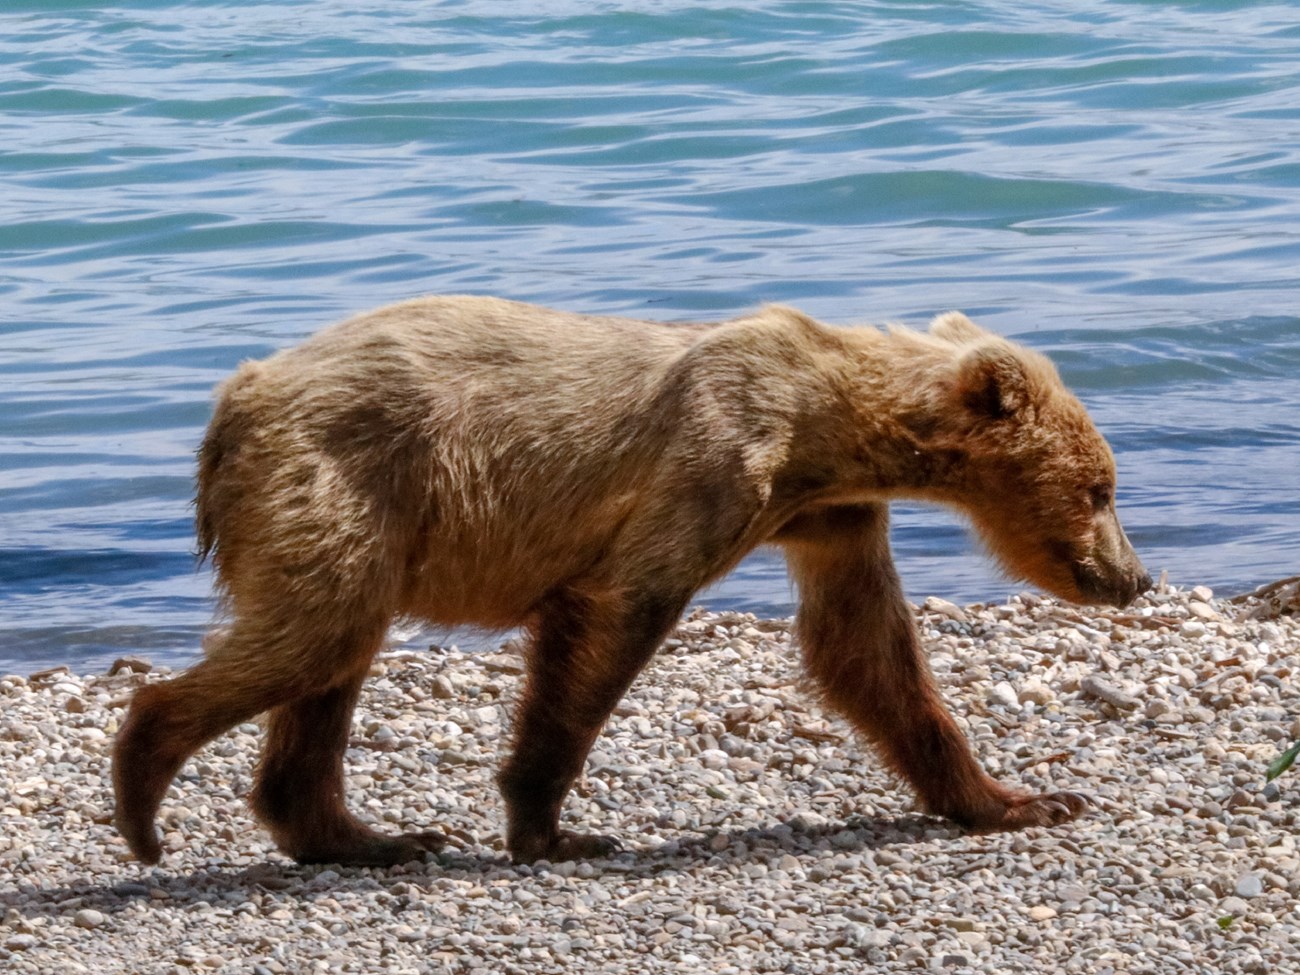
(1249, 885)
(88, 918)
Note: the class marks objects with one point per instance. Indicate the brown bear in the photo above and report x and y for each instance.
(467, 460)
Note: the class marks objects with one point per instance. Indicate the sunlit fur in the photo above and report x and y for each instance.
(476, 461)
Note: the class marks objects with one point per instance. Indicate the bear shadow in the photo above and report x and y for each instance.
(284, 880)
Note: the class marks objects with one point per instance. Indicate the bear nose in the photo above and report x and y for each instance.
(1141, 583)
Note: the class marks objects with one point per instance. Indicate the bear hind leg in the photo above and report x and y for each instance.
(585, 654)
(249, 669)
(300, 786)
(166, 724)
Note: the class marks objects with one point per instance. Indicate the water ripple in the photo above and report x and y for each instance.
(187, 186)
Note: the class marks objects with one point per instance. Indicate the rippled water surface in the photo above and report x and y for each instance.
(186, 185)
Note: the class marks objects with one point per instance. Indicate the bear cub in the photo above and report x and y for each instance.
(467, 460)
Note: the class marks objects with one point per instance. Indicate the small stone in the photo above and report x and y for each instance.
(1073, 650)
(51, 672)
(130, 665)
(1202, 593)
(1072, 892)
(1002, 694)
(913, 956)
(859, 935)
(1104, 690)
(1156, 707)
(933, 604)
(1234, 906)
(1249, 885)
(1041, 912)
(502, 663)
(1202, 611)
(20, 942)
(845, 839)
(1239, 798)
(88, 918)
(714, 758)
(1036, 692)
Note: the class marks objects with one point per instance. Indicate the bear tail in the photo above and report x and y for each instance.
(210, 454)
(225, 432)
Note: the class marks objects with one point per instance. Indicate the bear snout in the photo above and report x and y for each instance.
(1144, 584)
(1109, 571)
(1139, 583)
(1118, 588)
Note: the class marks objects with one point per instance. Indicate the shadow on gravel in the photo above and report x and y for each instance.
(281, 880)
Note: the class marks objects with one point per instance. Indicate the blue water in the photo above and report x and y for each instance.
(185, 185)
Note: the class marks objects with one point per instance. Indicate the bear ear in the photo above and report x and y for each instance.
(956, 328)
(992, 381)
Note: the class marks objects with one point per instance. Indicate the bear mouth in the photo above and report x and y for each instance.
(1115, 589)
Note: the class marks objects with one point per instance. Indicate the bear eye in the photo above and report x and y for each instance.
(1101, 495)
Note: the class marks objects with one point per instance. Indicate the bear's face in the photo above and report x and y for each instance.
(1037, 479)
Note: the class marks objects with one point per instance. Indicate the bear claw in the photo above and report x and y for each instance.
(1050, 809)
(567, 845)
(370, 849)
(1023, 811)
(583, 846)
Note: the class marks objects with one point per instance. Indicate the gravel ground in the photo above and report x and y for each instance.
(760, 836)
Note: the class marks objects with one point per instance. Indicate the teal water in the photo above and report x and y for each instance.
(185, 185)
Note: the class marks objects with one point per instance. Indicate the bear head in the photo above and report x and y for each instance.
(1034, 475)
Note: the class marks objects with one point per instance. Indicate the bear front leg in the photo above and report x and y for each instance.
(861, 646)
(585, 653)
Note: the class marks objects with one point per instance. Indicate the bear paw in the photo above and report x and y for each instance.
(566, 845)
(1021, 811)
(141, 836)
(366, 848)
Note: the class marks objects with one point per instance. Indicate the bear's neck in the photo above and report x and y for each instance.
(866, 433)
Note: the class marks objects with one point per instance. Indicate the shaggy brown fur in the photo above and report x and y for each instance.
(476, 461)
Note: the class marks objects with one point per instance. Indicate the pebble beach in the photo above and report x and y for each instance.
(758, 834)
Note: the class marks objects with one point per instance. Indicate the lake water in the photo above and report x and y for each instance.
(186, 185)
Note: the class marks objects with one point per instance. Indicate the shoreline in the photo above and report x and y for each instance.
(759, 834)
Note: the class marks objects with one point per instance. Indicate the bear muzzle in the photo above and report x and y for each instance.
(1113, 585)
(1108, 570)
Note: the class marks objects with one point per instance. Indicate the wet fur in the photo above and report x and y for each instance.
(476, 461)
